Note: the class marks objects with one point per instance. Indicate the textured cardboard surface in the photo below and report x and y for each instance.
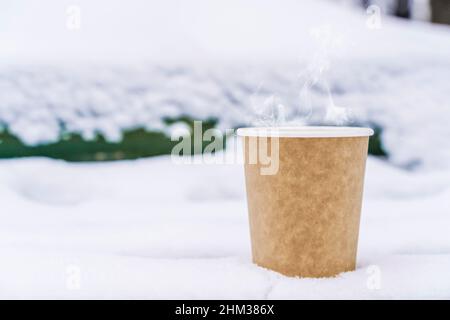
(304, 220)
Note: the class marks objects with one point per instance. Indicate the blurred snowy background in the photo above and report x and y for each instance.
(109, 80)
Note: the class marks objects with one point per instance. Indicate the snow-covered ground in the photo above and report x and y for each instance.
(154, 229)
(222, 59)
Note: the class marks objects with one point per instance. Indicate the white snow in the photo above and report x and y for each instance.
(223, 59)
(58, 81)
(154, 229)
(408, 99)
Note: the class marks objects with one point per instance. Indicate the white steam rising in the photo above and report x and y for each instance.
(269, 109)
(316, 108)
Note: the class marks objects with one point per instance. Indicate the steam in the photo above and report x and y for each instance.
(317, 74)
(270, 108)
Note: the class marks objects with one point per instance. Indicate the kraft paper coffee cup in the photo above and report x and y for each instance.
(304, 193)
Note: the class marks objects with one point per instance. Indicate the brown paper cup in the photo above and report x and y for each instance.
(304, 214)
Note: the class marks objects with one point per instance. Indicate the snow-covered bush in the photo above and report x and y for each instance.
(212, 60)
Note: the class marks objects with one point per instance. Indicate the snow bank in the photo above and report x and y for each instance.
(179, 31)
(147, 229)
(130, 66)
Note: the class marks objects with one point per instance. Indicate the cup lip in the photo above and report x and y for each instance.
(305, 132)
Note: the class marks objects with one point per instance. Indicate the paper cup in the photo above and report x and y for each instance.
(304, 211)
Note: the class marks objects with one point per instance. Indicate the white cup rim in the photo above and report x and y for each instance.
(305, 132)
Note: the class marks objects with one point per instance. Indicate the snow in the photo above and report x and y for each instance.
(177, 31)
(151, 228)
(408, 100)
(227, 63)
